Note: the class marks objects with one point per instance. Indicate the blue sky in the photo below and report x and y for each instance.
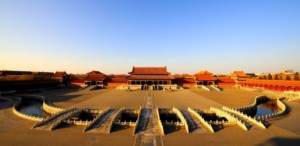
(186, 36)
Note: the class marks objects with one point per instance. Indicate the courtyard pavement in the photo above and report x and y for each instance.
(17, 131)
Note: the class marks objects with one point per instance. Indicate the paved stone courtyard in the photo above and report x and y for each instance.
(16, 131)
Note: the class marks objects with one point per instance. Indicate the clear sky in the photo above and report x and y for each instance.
(186, 36)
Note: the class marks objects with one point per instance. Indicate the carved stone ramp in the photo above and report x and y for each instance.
(148, 132)
(148, 118)
(66, 117)
(194, 124)
(151, 136)
(102, 124)
(55, 119)
(146, 121)
(51, 120)
(95, 120)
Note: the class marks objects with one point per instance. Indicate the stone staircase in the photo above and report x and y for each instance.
(213, 88)
(88, 88)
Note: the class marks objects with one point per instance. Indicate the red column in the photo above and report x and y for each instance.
(283, 88)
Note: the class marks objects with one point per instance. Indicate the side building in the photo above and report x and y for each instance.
(62, 77)
(205, 78)
(95, 78)
(239, 76)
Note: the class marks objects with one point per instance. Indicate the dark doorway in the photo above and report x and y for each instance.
(149, 82)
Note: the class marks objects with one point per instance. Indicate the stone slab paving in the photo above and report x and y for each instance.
(291, 120)
(114, 99)
(183, 99)
(230, 98)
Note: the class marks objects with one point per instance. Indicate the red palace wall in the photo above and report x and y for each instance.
(275, 85)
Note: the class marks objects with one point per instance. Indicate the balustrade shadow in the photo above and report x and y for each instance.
(116, 128)
(51, 94)
(63, 98)
(64, 125)
(170, 121)
(280, 141)
(266, 123)
(217, 128)
(288, 108)
(168, 129)
(5, 104)
(60, 95)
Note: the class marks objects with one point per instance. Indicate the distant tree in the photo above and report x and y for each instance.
(260, 78)
(288, 78)
(264, 77)
(185, 75)
(270, 77)
(296, 77)
(280, 78)
(111, 75)
(276, 77)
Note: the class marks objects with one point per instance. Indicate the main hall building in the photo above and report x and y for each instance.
(149, 76)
